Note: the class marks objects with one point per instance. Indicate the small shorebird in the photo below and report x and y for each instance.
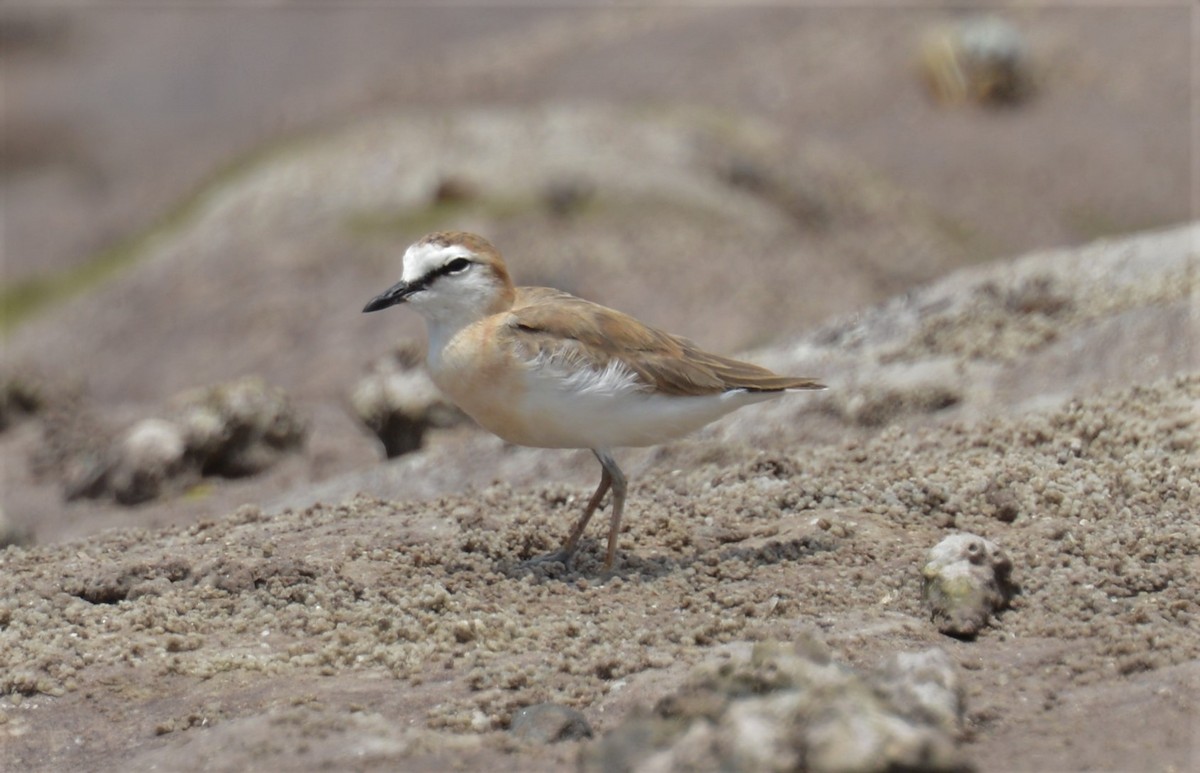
(540, 367)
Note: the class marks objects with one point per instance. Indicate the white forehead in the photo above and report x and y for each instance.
(423, 257)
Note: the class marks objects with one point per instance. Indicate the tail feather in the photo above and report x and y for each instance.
(781, 383)
(735, 374)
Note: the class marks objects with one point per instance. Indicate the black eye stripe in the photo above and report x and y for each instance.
(453, 267)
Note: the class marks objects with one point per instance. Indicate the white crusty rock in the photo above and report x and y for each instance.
(234, 429)
(148, 457)
(793, 708)
(967, 580)
(398, 402)
(240, 428)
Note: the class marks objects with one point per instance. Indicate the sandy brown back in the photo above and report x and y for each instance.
(541, 318)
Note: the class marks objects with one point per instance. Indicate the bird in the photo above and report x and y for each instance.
(543, 368)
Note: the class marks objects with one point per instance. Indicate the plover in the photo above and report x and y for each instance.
(540, 367)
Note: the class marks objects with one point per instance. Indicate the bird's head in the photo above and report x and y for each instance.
(450, 277)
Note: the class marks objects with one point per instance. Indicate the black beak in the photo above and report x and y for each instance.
(397, 293)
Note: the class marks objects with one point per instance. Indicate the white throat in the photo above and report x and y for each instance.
(454, 301)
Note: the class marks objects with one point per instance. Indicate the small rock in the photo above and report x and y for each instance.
(549, 723)
(787, 708)
(967, 580)
(399, 402)
(981, 59)
(240, 428)
(147, 458)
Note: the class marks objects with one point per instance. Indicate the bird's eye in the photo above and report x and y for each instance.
(458, 265)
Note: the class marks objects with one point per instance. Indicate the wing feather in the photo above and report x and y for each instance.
(542, 318)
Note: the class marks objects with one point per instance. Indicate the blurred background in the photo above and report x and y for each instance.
(112, 115)
(198, 194)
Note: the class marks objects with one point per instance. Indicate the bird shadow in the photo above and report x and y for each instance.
(587, 564)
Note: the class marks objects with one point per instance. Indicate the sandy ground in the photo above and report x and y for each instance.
(372, 633)
(252, 641)
(339, 612)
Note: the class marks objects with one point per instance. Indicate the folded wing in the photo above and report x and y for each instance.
(542, 318)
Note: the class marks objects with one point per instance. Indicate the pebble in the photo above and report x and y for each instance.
(967, 581)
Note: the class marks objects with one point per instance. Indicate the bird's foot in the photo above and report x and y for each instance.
(556, 563)
(559, 562)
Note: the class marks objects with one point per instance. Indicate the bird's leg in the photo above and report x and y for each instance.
(577, 530)
(617, 480)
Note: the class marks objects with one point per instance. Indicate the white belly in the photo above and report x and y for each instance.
(610, 409)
